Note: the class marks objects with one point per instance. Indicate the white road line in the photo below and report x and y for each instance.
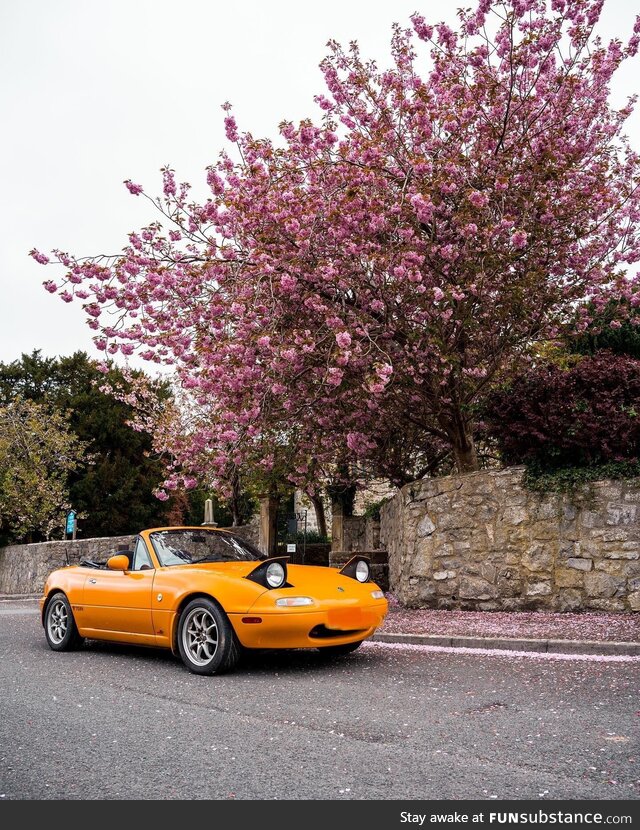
(495, 652)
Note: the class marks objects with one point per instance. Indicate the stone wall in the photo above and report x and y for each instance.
(24, 568)
(483, 541)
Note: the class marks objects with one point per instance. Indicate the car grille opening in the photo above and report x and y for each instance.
(321, 632)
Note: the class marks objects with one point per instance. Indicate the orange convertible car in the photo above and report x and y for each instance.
(206, 594)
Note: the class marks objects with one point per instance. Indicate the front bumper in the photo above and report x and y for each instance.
(292, 628)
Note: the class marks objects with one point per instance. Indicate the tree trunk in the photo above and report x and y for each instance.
(464, 450)
(234, 501)
(321, 519)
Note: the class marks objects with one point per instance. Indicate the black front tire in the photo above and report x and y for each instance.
(60, 627)
(206, 640)
(339, 651)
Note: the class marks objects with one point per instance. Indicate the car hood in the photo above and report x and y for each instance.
(313, 580)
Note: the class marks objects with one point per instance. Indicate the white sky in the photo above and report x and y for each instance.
(93, 92)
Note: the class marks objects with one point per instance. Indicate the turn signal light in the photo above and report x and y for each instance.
(252, 620)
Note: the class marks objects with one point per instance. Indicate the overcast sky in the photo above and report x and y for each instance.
(92, 93)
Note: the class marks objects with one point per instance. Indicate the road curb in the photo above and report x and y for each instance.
(596, 647)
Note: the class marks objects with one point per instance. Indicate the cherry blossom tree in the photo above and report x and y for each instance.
(375, 271)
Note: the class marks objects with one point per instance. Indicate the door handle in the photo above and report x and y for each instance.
(93, 581)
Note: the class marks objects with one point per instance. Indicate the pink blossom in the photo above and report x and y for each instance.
(478, 199)
(43, 259)
(343, 339)
(288, 283)
(135, 189)
(423, 207)
(334, 376)
(519, 239)
(50, 286)
(231, 129)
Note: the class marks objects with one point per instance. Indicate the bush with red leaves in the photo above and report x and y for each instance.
(582, 416)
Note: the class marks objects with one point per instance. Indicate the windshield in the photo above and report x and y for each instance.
(186, 547)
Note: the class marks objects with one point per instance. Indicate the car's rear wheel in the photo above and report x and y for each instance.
(59, 625)
(206, 640)
(338, 651)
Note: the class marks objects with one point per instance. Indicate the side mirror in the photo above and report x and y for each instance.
(119, 562)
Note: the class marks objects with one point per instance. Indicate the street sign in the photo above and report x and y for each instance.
(291, 548)
(71, 522)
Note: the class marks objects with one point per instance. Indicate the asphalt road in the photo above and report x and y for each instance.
(112, 722)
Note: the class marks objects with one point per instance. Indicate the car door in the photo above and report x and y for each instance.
(120, 601)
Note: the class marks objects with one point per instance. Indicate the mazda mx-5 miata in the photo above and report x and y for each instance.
(206, 594)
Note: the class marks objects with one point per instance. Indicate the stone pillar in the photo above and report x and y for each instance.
(337, 525)
(268, 513)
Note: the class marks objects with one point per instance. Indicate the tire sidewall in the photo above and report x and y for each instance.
(71, 637)
(225, 636)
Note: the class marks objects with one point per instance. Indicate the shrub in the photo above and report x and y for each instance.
(585, 415)
(313, 537)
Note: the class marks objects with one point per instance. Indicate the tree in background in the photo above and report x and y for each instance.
(585, 415)
(390, 262)
(114, 494)
(615, 328)
(38, 452)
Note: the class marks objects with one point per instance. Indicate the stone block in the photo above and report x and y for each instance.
(514, 515)
(621, 553)
(544, 530)
(441, 550)
(569, 600)
(538, 589)
(601, 585)
(548, 510)
(615, 567)
(440, 575)
(472, 587)
(580, 564)
(425, 527)
(621, 513)
(605, 604)
(565, 578)
(609, 535)
(589, 519)
(634, 601)
(537, 557)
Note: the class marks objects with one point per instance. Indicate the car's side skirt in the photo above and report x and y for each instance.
(159, 641)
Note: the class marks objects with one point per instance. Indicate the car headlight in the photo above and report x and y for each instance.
(275, 575)
(271, 574)
(357, 568)
(377, 594)
(292, 602)
(362, 571)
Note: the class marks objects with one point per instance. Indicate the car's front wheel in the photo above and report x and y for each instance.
(206, 641)
(59, 626)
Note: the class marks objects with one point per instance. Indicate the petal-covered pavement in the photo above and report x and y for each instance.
(589, 626)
